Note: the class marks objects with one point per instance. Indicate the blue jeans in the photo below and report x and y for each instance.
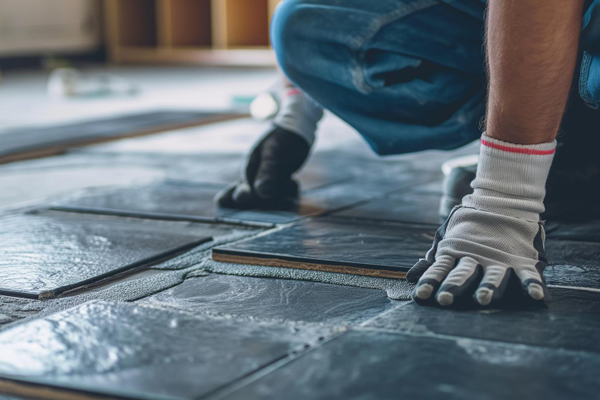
(408, 75)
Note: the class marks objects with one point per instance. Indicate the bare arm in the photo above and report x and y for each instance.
(532, 52)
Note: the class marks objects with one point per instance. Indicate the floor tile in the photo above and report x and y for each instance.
(573, 263)
(122, 349)
(231, 137)
(167, 198)
(336, 245)
(331, 198)
(45, 180)
(571, 321)
(278, 299)
(46, 253)
(419, 208)
(224, 168)
(585, 231)
(20, 141)
(384, 365)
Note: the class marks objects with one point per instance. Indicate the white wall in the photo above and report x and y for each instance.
(32, 27)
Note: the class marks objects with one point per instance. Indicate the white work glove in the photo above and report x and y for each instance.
(496, 231)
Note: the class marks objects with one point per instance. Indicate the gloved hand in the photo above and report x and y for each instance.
(496, 231)
(476, 251)
(267, 178)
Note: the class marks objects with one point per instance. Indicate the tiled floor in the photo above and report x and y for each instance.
(107, 290)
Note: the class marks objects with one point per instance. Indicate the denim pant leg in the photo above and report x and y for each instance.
(409, 75)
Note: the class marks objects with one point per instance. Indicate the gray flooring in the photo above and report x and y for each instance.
(109, 288)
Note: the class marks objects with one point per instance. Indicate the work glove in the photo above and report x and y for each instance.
(267, 177)
(494, 234)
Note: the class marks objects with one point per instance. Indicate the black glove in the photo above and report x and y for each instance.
(267, 178)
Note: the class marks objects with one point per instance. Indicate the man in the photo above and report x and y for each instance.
(411, 75)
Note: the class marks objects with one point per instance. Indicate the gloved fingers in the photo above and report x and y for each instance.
(237, 196)
(225, 197)
(417, 270)
(532, 282)
(423, 264)
(493, 284)
(464, 277)
(243, 194)
(268, 187)
(433, 277)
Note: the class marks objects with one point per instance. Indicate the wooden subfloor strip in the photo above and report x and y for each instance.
(277, 262)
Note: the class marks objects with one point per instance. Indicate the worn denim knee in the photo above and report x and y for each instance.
(408, 75)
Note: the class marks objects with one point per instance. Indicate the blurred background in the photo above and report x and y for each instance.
(74, 60)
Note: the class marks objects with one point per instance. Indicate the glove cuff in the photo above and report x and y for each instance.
(511, 178)
(299, 114)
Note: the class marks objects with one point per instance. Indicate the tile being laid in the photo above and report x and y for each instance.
(278, 299)
(335, 245)
(108, 349)
(373, 364)
(571, 321)
(47, 253)
(166, 198)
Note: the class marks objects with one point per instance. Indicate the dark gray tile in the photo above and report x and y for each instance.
(584, 276)
(419, 208)
(332, 198)
(46, 253)
(586, 231)
(122, 349)
(336, 245)
(573, 263)
(383, 365)
(44, 180)
(35, 139)
(274, 299)
(168, 199)
(225, 168)
(571, 321)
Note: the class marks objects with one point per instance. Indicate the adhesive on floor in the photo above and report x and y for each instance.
(335, 245)
(47, 253)
(126, 350)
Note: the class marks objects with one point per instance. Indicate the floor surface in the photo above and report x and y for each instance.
(109, 288)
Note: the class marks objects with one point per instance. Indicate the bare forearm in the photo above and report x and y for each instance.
(532, 52)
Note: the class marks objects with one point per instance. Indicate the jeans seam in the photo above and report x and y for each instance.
(583, 80)
(358, 43)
